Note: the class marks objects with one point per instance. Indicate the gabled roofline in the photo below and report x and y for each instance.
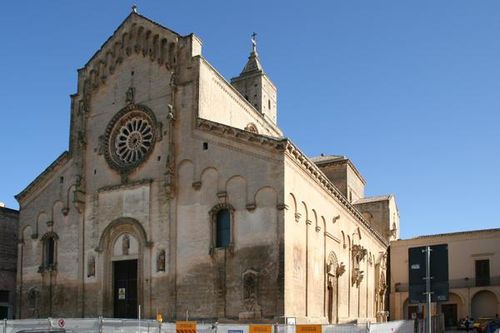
(43, 177)
(132, 14)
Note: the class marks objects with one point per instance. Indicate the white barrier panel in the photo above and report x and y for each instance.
(130, 326)
(14, 326)
(100, 325)
(75, 324)
(230, 328)
(345, 328)
(398, 326)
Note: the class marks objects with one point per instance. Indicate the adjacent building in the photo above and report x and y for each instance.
(180, 193)
(474, 275)
(8, 261)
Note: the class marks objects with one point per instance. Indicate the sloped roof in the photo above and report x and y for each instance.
(327, 158)
(373, 199)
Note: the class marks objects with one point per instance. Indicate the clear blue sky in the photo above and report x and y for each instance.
(409, 90)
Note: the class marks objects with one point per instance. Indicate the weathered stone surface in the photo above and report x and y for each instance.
(8, 259)
(212, 151)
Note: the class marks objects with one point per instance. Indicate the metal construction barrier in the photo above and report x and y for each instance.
(108, 325)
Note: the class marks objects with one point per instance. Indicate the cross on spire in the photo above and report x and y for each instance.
(254, 42)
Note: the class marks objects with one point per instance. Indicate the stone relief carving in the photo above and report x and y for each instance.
(252, 128)
(130, 96)
(250, 295)
(160, 261)
(101, 148)
(33, 298)
(91, 266)
(358, 254)
(125, 244)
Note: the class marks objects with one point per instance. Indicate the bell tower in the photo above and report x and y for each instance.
(256, 86)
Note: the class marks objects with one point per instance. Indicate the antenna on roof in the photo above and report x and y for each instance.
(134, 8)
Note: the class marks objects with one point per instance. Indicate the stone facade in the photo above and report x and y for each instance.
(8, 261)
(187, 179)
(474, 275)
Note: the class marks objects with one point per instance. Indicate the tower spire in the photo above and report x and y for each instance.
(255, 86)
(253, 63)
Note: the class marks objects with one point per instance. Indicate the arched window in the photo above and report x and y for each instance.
(49, 252)
(49, 241)
(223, 228)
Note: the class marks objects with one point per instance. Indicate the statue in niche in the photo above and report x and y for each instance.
(91, 267)
(250, 292)
(33, 297)
(125, 245)
(130, 96)
(160, 261)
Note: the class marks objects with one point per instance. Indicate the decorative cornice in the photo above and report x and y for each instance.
(329, 235)
(196, 185)
(281, 206)
(127, 185)
(251, 206)
(314, 171)
(44, 176)
(241, 135)
(293, 152)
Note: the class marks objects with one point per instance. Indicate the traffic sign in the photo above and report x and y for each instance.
(438, 272)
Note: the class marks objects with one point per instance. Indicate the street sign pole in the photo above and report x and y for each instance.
(428, 287)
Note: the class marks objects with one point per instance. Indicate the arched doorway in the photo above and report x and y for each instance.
(122, 246)
(484, 304)
(333, 271)
(452, 310)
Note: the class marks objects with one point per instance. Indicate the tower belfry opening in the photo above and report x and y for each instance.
(254, 84)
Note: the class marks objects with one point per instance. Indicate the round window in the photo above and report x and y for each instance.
(130, 137)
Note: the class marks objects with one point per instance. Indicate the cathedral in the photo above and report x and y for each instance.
(179, 195)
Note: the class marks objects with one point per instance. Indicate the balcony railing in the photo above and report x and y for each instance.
(459, 283)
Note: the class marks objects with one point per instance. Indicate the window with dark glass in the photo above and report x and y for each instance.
(223, 228)
(482, 272)
(4, 296)
(49, 258)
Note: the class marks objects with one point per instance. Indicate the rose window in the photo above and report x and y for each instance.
(130, 137)
(134, 140)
